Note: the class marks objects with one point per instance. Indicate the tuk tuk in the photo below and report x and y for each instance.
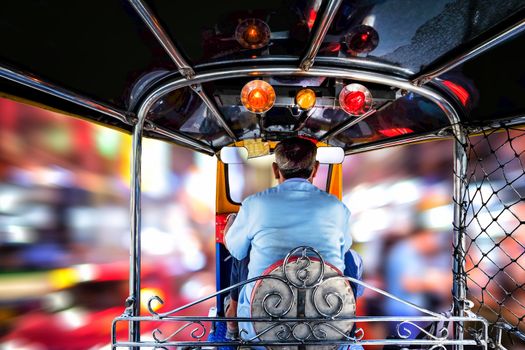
(235, 78)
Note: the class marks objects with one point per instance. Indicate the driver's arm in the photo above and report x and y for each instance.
(237, 238)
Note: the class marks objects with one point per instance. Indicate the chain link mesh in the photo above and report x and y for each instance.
(493, 222)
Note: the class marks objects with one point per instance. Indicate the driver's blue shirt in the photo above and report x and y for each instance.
(272, 222)
(294, 213)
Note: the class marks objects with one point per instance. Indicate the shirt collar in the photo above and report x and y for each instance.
(296, 179)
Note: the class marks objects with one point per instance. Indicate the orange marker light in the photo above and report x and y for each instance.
(252, 33)
(305, 99)
(258, 96)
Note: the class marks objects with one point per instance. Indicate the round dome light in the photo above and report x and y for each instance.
(257, 96)
(305, 99)
(252, 33)
(362, 39)
(355, 99)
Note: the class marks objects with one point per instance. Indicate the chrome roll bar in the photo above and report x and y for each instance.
(53, 90)
(477, 50)
(322, 24)
(460, 156)
(162, 37)
(288, 70)
(184, 67)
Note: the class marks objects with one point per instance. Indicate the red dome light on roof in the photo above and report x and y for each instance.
(355, 99)
(362, 39)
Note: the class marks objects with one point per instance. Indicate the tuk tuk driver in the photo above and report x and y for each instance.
(293, 213)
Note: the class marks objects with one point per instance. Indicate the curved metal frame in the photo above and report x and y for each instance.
(195, 80)
(460, 156)
(262, 71)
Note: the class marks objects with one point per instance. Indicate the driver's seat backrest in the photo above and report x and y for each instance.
(303, 288)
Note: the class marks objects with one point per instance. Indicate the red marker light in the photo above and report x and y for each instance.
(355, 99)
(362, 39)
(395, 132)
(333, 47)
(311, 18)
(458, 90)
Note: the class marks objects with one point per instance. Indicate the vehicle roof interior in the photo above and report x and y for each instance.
(104, 51)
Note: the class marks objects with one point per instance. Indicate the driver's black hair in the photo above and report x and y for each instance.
(295, 157)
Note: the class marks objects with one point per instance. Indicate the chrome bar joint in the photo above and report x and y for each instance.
(153, 24)
(325, 20)
(346, 125)
(507, 34)
(212, 107)
(50, 89)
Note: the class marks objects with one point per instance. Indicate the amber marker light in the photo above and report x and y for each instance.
(257, 96)
(355, 99)
(252, 33)
(305, 99)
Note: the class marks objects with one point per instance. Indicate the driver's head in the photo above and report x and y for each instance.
(295, 157)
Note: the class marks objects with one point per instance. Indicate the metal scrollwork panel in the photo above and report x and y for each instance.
(198, 331)
(306, 288)
(298, 268)
(404, 331)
